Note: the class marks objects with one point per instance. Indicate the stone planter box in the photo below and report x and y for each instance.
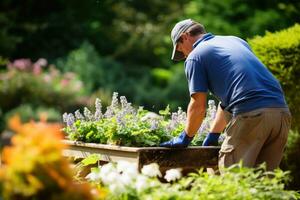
(188, 159)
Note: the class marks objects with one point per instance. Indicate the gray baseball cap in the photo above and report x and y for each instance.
(178, 29)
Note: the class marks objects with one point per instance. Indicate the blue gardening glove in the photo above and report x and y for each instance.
(211, 139)
(183, 140)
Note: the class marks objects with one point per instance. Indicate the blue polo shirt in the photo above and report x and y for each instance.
(226, 66)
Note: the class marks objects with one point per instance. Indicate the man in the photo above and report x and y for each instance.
(252, 105)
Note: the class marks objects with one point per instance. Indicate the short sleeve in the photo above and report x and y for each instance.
(196, 76)
(244, 43)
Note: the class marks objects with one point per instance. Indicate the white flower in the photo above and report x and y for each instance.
(122, 165)
(117, 188)
(42, 62)
(110, 178)
(127, 168)
(108, 173)
(126, 179)
(151, 170)
(150, 116)
(173, 174)
(141, 183)
(132, 170)
(65, 117)
(107, 168)
(93, 176)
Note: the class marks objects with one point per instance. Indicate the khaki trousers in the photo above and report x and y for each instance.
(256, 137)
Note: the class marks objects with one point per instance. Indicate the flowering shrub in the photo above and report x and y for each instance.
(48, 74)
(122, 124)
(38, 85)
(34, 167)
(123, 181)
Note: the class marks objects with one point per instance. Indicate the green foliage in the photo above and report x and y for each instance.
(106, 75)
(166, 112)
(91, 159)
(27, 112)
(237, 183)
(234, 183)
(162, 76)
(108, 131)
(92, 69)
(291, 160)
(157, 91)
(248, 18)
(280, 52)
(128, 31)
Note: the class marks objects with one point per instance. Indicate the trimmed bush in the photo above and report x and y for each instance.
(291, 160)
(280, 52)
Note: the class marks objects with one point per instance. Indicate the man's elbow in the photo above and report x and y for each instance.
(198, 102)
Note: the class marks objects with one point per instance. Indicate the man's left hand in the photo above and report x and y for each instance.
(211, 139)
(182, 141)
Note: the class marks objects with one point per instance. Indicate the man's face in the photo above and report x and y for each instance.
(185, 44)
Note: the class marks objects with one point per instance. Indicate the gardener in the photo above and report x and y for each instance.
(252, 105)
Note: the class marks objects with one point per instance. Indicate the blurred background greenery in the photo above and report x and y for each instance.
(95, 47)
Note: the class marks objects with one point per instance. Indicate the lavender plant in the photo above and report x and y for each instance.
(122, 124)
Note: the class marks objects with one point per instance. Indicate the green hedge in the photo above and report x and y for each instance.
(291, 160)
(280, 52)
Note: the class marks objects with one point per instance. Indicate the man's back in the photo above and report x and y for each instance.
(226, 66)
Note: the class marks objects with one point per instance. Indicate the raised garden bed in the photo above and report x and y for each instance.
(188, 159)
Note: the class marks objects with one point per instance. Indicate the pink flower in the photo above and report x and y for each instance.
(37, 69)
(64, 82)
(22, 64)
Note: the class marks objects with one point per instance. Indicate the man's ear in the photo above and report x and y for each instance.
(184, 36)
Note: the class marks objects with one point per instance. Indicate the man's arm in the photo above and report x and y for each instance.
(195, 113)
(219, 123)
(217, 127)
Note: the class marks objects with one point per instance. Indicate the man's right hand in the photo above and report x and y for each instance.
(182, 141)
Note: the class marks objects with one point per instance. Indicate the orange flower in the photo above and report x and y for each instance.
(34, 166)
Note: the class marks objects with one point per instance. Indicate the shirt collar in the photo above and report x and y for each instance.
(205, 37)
